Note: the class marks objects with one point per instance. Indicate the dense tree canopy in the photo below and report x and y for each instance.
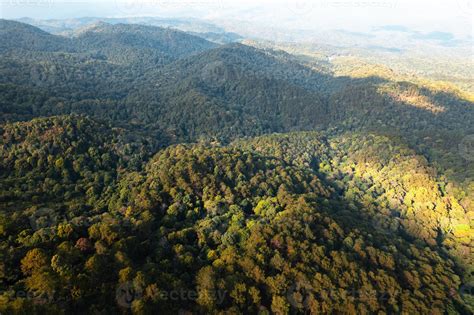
(280, 223)
(147, 170)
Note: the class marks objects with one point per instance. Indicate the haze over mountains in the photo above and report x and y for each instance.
(260, 175)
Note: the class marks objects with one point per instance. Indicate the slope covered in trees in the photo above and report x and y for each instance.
(144, 45)
(398, 189)
(63, 158)
(281, 223)
(199, 90)
(133, 170)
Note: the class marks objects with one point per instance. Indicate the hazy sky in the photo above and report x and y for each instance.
(455, 16)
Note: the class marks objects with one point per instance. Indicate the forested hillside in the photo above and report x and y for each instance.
(197, 95)
(270, 223)
(145, 170)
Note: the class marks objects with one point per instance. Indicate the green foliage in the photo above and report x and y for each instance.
(100, 214)
(262, 224)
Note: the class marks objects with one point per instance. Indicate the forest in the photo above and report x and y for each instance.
(146, 170)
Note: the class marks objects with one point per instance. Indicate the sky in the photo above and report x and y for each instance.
(454, 16)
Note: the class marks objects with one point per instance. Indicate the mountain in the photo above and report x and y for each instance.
(138, 163)
(231, 81)
(168, 41)
(184, 88)
(227, 222)
(230, 91)
(70, 26)
(119, 43)
(15, 35)
(87, 75)
(126, 43)
(180, 87)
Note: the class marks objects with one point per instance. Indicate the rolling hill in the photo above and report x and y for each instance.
(272, 223)
(138, 162)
